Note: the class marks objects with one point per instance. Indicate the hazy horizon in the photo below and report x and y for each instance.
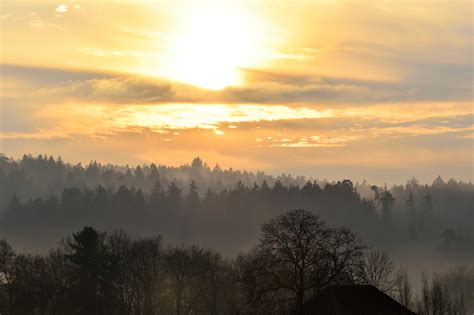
(386, 176)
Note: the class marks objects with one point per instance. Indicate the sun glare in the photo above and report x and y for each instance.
(211, 44)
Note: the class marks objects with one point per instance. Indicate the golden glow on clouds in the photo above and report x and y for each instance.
(334, 82)
(86, 120)
(310, 142)
(210, 116)
(101, 120)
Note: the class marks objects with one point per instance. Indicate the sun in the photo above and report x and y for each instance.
(211, 44)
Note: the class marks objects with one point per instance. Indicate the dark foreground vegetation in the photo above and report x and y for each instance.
(297, 256)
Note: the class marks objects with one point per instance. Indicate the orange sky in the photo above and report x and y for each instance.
(335, 89)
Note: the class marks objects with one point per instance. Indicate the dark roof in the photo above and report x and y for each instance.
(354, 300)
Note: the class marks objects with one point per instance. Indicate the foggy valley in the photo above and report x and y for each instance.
(425, 230)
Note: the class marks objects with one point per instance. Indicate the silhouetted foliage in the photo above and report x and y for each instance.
(32, 177)
(436, 299)
(298, 255)
(42, 199)
(228, 219)
(378, 270)
(222, 208)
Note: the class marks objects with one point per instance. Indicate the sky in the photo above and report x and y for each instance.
(376, 90)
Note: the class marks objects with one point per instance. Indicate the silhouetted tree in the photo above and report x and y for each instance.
(385, 199)
(125, 283)
(412, 215)
(428, 205)
(157, 196)
(192, 199)
(403, 289)
(139, 177)
(298, 255)
(93, 269)
(146, 271)
(378, 270)
(173, 197)
(436, 300)
(7, 265)
(185, 266)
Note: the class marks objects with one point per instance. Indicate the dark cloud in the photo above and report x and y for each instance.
(48, 84)
(114, 90)
(62, 84)
(423, 81)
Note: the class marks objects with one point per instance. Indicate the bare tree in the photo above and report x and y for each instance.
(119, 245)
(146, 267)
(7, 274)
(298, 255)
(184, 265)
(403, 289)
(57, 276)
(436, 299)
(460, 283)
(217, 281)
(377, 269)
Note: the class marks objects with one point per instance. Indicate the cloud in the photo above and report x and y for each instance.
(314, 92)
(312, 142)
(49, 84)
(62, 8)
(111, 90)
(427, 82)
(209, 116)
(392, 87)
(318, 112)
(36, 22)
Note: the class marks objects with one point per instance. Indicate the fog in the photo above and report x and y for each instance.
(427, 229)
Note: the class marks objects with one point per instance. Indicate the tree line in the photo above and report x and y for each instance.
(420, 208)
(297, 255)
(229, 219)
(43, 175)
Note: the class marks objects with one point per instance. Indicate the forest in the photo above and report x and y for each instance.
(296, 257)
(223, 209)
(191, 239)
